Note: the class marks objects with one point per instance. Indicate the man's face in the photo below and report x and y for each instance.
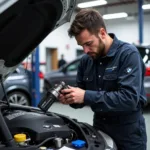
(92, 44)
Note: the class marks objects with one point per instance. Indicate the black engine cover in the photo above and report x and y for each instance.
(37, 126)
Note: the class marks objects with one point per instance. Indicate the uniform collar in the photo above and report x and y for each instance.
(114, 46)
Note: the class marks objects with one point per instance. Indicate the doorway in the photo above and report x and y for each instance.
(51, 59)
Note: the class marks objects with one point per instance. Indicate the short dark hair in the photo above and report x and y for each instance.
(89, 19)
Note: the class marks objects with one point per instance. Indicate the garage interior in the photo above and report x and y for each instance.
(132, 27)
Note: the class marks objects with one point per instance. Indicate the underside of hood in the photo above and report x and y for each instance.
(25, 24)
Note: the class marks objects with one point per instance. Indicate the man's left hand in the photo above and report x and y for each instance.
(72, 95)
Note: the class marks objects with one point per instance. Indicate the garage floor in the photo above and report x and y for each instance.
(85, 115)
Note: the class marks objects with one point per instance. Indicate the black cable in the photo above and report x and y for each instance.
(5, 95)
(51, 138)
(37, 146)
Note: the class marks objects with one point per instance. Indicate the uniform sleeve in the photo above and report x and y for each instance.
(129, 87)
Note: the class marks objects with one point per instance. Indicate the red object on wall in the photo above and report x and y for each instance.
(41, 75)
(67, 46)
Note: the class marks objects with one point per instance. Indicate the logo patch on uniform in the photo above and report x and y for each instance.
(128, 70)
(111, 69)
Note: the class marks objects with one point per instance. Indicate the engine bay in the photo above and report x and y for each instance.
(37, 126)
(33, 129)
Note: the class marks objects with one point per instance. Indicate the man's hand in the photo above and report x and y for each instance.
(72, 95)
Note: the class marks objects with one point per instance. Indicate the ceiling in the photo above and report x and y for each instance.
(116, 6)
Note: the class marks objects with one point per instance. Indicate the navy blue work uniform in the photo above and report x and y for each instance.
(115, 92)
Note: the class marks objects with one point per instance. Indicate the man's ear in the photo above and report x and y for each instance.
(102, 33)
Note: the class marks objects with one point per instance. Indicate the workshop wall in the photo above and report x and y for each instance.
(128, 29)
(125, 29)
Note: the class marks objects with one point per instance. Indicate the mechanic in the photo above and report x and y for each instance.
(110, 80)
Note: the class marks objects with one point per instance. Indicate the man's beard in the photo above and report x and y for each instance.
(100, 50)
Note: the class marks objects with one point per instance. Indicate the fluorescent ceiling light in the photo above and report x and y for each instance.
(146, 6)
(115, 16)
(92, 3)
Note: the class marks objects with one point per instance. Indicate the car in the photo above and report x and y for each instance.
(23, 25)
(68, 72)
(18, 87)
(145, 54)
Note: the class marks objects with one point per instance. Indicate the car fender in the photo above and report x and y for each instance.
(19, 88)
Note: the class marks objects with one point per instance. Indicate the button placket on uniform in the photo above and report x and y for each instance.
(99, 76)
(100, 71)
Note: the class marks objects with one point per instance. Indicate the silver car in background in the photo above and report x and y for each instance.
(18, 87)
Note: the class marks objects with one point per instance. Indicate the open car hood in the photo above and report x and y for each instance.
(25, 24)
